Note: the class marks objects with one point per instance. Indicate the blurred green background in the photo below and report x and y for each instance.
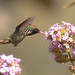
(33, 50)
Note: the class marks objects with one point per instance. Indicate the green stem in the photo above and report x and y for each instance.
(71, 61)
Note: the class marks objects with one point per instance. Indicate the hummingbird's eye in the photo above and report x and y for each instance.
(36, 30)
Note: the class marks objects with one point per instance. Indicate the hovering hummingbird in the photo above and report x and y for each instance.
(26, 28)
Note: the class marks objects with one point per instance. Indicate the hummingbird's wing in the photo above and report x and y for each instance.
(69, 4)
(5, 41)
(22, 27)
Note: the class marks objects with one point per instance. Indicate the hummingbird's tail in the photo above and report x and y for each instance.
(4, 41)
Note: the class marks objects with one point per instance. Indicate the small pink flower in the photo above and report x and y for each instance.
(9, 64)
(70, 39)
(3, 57)
(58, 34)
(73, 30)
(46, 35)
(60, 46)
(73, 50)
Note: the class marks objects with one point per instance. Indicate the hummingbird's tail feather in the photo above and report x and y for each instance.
(4, 41)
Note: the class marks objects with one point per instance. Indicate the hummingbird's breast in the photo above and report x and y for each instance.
(15, 38)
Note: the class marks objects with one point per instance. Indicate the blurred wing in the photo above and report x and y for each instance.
(22, 27)
(69, 4)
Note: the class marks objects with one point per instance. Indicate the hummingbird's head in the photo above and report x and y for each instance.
(35, 31)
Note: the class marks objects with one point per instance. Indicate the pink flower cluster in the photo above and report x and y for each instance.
(61, 40)
(9, 65)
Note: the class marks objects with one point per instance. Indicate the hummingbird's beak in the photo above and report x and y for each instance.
(41, 32)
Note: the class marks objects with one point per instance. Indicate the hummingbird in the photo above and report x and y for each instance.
(26, 28)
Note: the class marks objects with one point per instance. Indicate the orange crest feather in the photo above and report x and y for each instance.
(33, 26)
